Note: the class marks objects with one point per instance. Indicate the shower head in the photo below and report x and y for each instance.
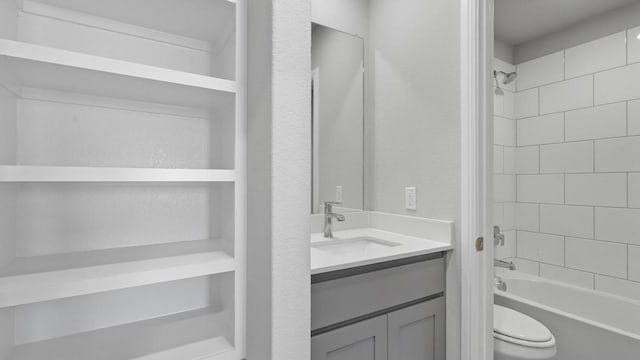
(510, 77)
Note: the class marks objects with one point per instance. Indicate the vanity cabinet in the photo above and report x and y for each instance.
(393, 310)
(417, 332)
(366, 340)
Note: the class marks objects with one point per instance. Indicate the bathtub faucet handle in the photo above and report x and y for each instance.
(498, 237)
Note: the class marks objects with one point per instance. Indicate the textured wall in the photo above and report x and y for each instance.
(291, 166)
(278, 179)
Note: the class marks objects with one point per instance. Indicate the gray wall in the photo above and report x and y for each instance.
(414, 122)
(588, 30)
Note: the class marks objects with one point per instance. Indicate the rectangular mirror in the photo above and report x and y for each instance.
(337, 64)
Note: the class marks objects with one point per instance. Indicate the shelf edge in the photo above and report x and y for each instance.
(27, 51)
(17, 173)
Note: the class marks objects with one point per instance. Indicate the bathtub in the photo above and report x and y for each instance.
(587, 324)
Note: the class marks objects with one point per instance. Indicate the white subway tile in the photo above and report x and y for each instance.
(509, 104)
(633, 53)
(601, 54)
(575, 157)
(634, 117)
(498, 104)
(547, 189)
(600, 257)
(501, 65)
(527, 160)
(526, 103)
(541, 71)
(634, 190)
(634, 263)
(617, 155)
(508, 250)
(545, 129)
(504, 131)
(504, 105)
(567, 95)
(527, 266)
(596, 189)
(509, 216)
(504, 188)
(567, 220)
(596, 122)
(541, 247)
(619, 287)
(527, 217)
(565, 275)
(498, 159)
(509, 160)
(618, 84)
(498, 214)
(619, 225)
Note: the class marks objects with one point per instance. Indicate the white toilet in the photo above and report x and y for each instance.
(517, 336)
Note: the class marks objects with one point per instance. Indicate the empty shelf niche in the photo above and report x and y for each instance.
(191, 36)
(190, 319)
(68, 239)
(46, 128)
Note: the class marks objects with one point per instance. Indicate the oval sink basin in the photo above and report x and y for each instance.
(353, 246)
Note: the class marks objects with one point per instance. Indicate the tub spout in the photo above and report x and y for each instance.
(504, 264)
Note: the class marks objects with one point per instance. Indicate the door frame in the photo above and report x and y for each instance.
(476, 219)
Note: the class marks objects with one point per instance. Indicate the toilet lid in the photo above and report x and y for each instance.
(519, 326)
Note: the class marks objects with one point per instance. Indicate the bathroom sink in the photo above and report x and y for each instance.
(363, 245)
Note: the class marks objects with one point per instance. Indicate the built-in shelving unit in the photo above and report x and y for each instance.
(122, 179)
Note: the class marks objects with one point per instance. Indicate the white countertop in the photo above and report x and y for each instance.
(409, 246)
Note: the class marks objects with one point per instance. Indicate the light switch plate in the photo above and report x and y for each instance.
(339, 193)
(410, 198)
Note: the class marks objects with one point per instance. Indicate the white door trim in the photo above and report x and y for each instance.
(476, 193)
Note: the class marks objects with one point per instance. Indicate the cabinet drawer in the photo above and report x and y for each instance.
(350, 297)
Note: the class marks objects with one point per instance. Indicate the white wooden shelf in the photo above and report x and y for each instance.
(14, 173)
(27, 65)
(45, 286)
(194, 335)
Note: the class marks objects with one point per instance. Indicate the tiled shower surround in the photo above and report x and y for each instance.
(567, 164)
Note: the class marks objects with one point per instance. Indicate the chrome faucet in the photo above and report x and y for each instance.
(504, 264)
(329, 215)
(500, 284)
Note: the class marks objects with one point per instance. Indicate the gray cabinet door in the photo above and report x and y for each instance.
(366, 340)
(418, 332)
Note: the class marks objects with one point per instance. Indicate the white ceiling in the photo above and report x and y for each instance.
(519, 21)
